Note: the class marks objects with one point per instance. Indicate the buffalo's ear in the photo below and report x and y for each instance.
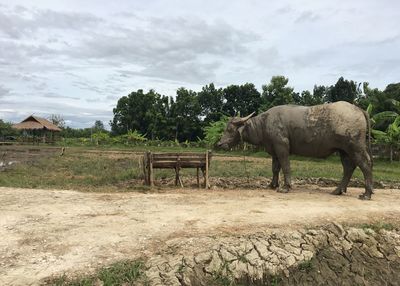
(241, 121)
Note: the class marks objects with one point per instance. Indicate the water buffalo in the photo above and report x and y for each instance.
(315, 131)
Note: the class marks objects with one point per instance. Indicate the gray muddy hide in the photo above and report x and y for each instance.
(315, 131)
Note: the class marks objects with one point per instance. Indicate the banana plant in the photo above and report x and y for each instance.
(391, 136)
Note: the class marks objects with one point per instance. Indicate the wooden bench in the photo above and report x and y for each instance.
(176, 161)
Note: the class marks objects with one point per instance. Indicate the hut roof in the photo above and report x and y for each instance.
(35, 123)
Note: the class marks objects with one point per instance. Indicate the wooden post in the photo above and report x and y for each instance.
(178, 168)
(144, 169)
(198, 179)
(176, 176)
(206, 174)
(151, 171)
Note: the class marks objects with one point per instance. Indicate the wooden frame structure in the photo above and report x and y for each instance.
(176, 161)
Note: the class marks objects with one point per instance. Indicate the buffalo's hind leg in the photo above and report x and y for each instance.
(364, 161)
(348, 170)
(276, 167)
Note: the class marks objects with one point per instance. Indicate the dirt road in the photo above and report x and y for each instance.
(47, 232)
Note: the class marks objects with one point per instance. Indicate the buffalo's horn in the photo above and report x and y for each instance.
(241, 121)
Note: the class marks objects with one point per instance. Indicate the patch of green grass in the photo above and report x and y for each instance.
(222, 277)
(275, 280)
(306, 266)
(120, 273)
(378, 226)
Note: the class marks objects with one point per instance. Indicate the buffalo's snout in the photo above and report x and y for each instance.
(223, 145)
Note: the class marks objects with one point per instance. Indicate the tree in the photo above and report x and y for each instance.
(379, 103)
(163, 124)
(211, 102)
(319, 93)
(276, 93)
(186, 112)
(393, 91)
(6, 129)
(57, 120)
(144, 112)
(343, 90)
(241, 99)
(308, 99)
(98, 126)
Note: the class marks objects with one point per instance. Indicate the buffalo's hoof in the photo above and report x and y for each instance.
(283, 190)
(364, 197)
(273, 186)
(338, 192)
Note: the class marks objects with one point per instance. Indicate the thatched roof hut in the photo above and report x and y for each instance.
(36, 123)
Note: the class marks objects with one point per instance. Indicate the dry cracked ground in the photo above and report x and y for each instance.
(195, 237)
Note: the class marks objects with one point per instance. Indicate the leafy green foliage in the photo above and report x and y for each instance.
(391, 136)
(309, 99)
(131, 137)
(211, 102)
(98, 126)
(346, 90)
(101, 137)
(186, 110)
(214, 131)
(393, 91)
(241, 99)
(6, 130)
(145, 112)
(276, 93)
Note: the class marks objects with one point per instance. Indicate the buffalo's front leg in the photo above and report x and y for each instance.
(276, 167)
(282, 152)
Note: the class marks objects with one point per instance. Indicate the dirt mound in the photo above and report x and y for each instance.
(330, 255)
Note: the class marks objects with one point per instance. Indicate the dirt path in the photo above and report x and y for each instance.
(46, 232)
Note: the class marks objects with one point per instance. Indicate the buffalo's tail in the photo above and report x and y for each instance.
(366, 115)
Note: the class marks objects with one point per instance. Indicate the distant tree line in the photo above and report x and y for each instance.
(185, 117)
(69, 132)
(6, 131)
(189, 116)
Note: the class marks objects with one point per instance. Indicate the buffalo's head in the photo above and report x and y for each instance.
(232, 132)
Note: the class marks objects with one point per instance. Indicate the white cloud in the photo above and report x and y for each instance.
(76, 58)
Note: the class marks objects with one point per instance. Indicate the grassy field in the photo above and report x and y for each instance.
(120, 170)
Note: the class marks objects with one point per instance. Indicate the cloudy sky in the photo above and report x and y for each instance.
(76, 58)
